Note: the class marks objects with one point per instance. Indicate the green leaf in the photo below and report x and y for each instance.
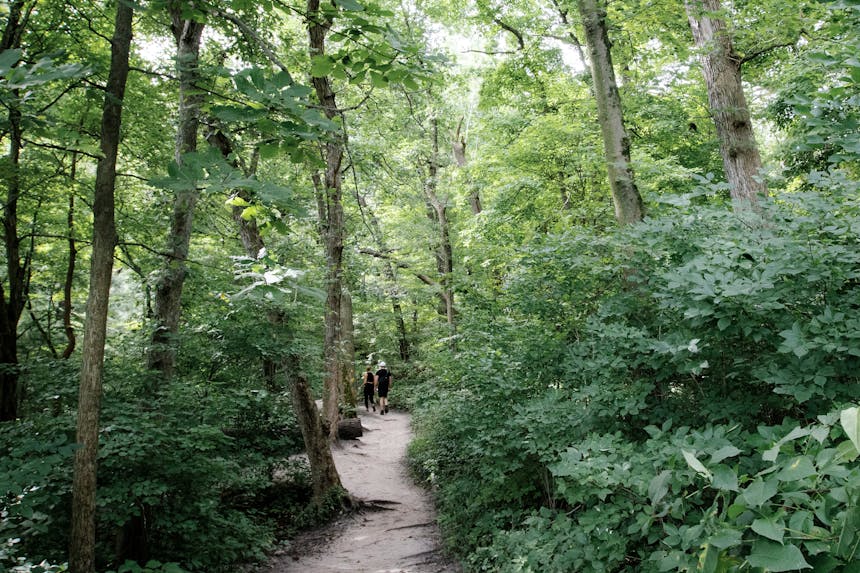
(709, 559)
(349, 5)
(726, 538)
(659, 486)
(849, 420)
(725, 479)
(770, 528)
(758, 492)
(799, 468)
(775, 557)
(723, 453)
(321, 66)
(9, 58)
(695, 464)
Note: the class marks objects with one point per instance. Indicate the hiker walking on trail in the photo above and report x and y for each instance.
(369, 388)
(383, 384)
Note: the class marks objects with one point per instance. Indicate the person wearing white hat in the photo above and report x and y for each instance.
(383, 384)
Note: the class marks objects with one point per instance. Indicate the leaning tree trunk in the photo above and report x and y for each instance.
(12, 302)
(83, 533)
(324, 474)
(722, 71)
(616, 141)
(168, 292)
(332, 226)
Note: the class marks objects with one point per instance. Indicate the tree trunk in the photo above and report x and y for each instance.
(458, 146)
(323, 471)
(722, 71)
(388, 271)
(12, 303)
(168, 293)
(82, 538)
(616, 141)
(350, 429)
(332, 227)
(70, 267)
(348, 349)
(438, 212)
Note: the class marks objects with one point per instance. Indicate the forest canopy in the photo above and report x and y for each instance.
(609, 249)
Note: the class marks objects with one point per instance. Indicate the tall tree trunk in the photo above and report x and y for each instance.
(722, 71)
(12, 302)
(388, 270)
(168, 292)
(323, 471)
(458, 147)
(83, 532)
(348, 349)
(70, 266)
(616, 141)
(438, 212)
(332, 226)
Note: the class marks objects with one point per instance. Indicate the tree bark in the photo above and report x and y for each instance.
(616, 142)
(722, 70)
(458, 147)
(12, 302)
(82, 538)
(70, 267)
(438, 212)
(348, 348)
(168, 292)
(323, 471)
(332, 226)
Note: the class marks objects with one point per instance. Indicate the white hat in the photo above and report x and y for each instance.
(381, 364)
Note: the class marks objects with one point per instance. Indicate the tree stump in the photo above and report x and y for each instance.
(349, 429)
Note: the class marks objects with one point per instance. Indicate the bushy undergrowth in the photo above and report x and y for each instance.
(184, 483)
(663, 398)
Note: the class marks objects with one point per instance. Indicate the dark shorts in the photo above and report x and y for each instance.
(382, 390)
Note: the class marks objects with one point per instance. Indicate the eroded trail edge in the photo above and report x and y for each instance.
(399, 536)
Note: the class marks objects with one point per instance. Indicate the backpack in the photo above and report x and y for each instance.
(383, 376)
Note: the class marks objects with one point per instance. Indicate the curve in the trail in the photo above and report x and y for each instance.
(398, 535)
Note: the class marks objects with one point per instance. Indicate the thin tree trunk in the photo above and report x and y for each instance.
(616, 141)
(168, 292)
(458, 146)
(388, 270)
(332, 227)
(348, 349)
(70, 267)
(83, 532)
(722, 71)
(438, 212)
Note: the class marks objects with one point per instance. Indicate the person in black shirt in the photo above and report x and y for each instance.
(383, 384)
(369, 388)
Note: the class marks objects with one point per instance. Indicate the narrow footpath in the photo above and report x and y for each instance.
(397, 535)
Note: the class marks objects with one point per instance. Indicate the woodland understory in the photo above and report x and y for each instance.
(610, 250)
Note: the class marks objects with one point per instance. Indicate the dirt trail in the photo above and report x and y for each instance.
(402, 538)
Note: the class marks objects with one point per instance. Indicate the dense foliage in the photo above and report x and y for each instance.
(677, 394)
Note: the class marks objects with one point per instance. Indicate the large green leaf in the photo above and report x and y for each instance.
(775, 557)
(771, 528)
(849, 420)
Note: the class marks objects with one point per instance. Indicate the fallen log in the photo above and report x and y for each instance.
(349, 429)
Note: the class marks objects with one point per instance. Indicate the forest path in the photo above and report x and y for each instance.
(402, 538)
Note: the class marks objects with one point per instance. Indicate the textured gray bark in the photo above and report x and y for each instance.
(332, 227)
(721, 68)
(82, 537)
(616, 141)
(168, 291)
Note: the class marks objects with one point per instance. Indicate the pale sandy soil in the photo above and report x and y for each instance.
(401, 538)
